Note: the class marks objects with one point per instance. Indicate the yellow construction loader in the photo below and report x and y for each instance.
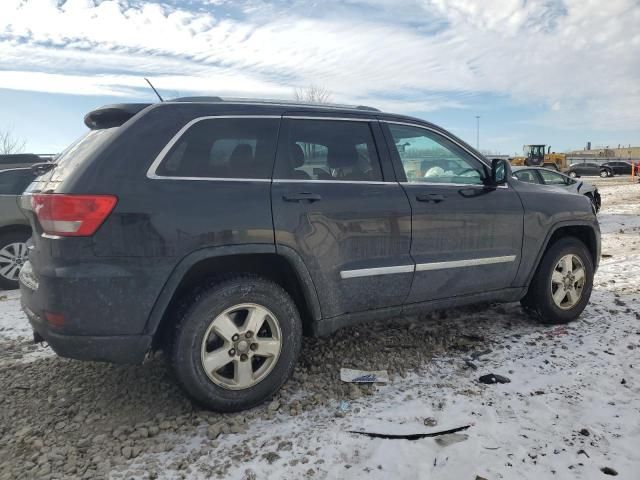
(535, 156)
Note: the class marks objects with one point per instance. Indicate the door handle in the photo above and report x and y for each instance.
(430, 197)
(302, 197)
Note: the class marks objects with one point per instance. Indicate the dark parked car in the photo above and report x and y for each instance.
(14, 226)
(588, 169)
(618, 168)
(545, 176)
(221, 231)
(17, 160)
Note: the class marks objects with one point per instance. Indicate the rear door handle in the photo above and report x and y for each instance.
(430, 197)
(302, 197)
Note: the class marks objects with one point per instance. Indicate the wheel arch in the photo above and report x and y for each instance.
(582, 231)
(284, 268)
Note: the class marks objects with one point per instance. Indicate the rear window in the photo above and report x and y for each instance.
(223, 148)
(77, 153)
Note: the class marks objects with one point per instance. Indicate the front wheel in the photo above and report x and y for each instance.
(237, 343)
(573, 174)
(561, 287)
(604, 174)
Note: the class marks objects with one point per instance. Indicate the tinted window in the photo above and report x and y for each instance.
(528, 176)
(78, 152)
(327, 150)
(13, 182)
(431, 158)
(224, 148)
(552, 178)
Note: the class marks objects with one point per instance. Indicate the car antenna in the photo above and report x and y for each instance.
(154, 89)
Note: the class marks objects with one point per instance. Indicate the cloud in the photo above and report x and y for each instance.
(425, 55)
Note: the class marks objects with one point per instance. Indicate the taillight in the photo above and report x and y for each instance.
(72, 215)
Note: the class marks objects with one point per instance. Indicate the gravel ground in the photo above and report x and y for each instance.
(65, 419)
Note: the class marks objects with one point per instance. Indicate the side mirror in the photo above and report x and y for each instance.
(500, 171)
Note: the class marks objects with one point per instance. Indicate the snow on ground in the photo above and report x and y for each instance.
(13, 323)
(563, 380)
(571, 409)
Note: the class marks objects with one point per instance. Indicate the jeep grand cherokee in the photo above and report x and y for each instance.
(220, 231)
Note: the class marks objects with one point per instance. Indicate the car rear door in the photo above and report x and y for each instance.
(466, 238)
(342, 211)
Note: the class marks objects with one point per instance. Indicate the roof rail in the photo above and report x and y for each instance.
(197, 99)
(269, 101)
(370, 109)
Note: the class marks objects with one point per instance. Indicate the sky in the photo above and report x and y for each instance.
(558, 72)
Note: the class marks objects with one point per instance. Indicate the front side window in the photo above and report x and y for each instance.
(333, 150)
(223, 148)
(552, 178)
(431, 158)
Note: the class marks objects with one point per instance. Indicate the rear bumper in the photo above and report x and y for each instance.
(130, 349)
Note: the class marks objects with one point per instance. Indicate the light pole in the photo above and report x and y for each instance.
(478, 132)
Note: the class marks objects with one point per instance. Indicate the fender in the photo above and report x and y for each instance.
(552, 230)
(184, 265)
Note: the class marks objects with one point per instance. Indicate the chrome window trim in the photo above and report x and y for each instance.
(151, 172)
(441, 184)
(314, 117)
(298, 180)
(472, 262)
(369, 272)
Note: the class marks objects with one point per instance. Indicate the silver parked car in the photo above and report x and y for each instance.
(14, 227)
(544, 176)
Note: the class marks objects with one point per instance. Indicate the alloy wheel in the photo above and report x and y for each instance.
(241, 346)
(567, 281)
(12, 258)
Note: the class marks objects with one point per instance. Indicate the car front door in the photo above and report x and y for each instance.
(466, 238)
(553, 178)
(343, 212)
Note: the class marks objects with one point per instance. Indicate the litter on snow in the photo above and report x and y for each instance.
(363, 376)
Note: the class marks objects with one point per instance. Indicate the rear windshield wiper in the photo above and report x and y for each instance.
(41, 168)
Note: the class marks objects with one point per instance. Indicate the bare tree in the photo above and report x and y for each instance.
(9, 143)
(312, 94)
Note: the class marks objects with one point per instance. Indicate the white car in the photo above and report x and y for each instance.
(544, 176)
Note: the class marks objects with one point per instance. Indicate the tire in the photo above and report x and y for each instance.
(539, 301)
(206, 314)
(573, 174)
(604, 174)
(13, 254)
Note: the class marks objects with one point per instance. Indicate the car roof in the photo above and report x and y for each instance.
(111, 115)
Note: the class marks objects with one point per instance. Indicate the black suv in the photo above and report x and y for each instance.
(221, 231)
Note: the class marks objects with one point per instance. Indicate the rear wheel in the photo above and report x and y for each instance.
(561, 286)
(13, 254)
(237, 343)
